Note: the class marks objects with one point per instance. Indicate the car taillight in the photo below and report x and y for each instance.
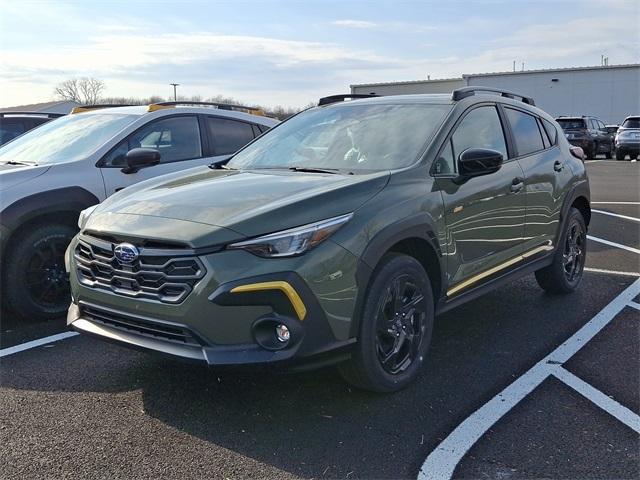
(577, 152)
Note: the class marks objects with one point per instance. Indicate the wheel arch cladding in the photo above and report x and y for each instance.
(62, 204)
(582, 204)
(413, 237)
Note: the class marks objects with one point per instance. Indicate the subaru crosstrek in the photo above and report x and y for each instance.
(337, 236)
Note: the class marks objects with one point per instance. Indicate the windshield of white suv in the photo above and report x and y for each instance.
(349, 137)
(65, 139)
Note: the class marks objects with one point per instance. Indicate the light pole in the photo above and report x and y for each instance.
(175, 95)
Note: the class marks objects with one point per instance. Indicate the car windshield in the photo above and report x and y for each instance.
(568, 124)
(347, 137)
(65, 139)
(631, 123)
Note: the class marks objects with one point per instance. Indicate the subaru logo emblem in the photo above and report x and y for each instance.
(126, 253)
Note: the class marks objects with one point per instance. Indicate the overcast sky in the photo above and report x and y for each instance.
(292, 52)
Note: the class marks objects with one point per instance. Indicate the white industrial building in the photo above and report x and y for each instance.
(609, 92)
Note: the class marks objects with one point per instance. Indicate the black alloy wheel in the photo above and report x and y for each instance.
(573, 256)
(401, 324)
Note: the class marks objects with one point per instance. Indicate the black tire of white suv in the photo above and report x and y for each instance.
(34, 278)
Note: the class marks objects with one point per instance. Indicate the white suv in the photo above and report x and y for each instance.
(50, 174)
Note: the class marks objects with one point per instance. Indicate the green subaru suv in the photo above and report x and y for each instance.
(336, 237)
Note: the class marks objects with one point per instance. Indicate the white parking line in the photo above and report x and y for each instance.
(633, 219)
(611, 272)
(607, 404)
(613, 244)
(36, 343)
(441, 462)
(615, 203)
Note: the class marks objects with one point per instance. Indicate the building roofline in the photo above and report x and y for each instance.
(551, 70)
(409, 82)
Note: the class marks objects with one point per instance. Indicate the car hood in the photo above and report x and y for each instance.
(238, 204)
(12, 175)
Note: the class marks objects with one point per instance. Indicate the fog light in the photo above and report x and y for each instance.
(282, 333)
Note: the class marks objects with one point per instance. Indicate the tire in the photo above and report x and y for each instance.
(633, 157)
(620, 155)
(36, 285)
(609, 154)
(591, 152)
(565, 273)
(373, 365)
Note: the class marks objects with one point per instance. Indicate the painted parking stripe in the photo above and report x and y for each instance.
(615, 203)
(36, 343)
(594, 395)
(613, 244)
(625, 217)
(441, 462)
(611, 272)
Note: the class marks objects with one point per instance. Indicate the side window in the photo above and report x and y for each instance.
(594, 124)
(601, 125)
(525, 131)
(481, 128)
(545, 138)
(10, 130)
(445, 163)
(228, 136)
(551, 131)
(176, 138)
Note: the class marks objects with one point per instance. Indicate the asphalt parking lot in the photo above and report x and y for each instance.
(518, 384)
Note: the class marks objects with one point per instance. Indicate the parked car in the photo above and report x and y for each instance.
(628, 139)
(612, 130)
(47, 176)
(336, 236)
(14, 124)
(589, 133)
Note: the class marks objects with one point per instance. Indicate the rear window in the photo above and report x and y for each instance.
(525, 132)
(568, 124)
(631, 123)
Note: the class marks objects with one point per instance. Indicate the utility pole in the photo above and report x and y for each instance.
(175, 95)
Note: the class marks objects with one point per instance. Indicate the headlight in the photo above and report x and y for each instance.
(294, 241)
(84, 216)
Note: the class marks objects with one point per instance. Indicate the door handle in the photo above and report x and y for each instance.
(558, 166)
(517, 184)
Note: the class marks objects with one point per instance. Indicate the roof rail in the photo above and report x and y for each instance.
(86, 108)
(465, 92)
(222, 106)
(340, 98)
(37, 114)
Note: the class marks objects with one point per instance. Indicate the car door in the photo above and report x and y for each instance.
(546, 174)
(179, 140)
(484, 215)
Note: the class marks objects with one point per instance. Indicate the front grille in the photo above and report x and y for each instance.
(163, 275)
(148, 328)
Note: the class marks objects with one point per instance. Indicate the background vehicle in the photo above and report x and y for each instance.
(47, 177)
(13, 124)
(627, 139)
(612, 129)
(359, 221)
(588, 133)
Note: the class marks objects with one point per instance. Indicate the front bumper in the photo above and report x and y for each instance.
(224, 319)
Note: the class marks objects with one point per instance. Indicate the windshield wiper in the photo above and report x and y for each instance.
(314, 169)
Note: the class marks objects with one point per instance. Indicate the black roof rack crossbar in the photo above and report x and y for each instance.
(339, 98)
(465, 92)
(221, 106)
(37, 114)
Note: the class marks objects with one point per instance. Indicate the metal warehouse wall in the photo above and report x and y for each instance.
(406, 88)
(610, 93)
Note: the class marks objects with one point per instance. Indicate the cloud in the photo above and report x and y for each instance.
(354, 24)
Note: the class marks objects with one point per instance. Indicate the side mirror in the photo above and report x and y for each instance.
(475, 162)
(138, 158)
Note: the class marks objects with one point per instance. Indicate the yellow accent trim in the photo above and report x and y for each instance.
(154, 106)
(497, 268)
(284, 287)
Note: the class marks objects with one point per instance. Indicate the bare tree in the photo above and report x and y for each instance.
(83, 90)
